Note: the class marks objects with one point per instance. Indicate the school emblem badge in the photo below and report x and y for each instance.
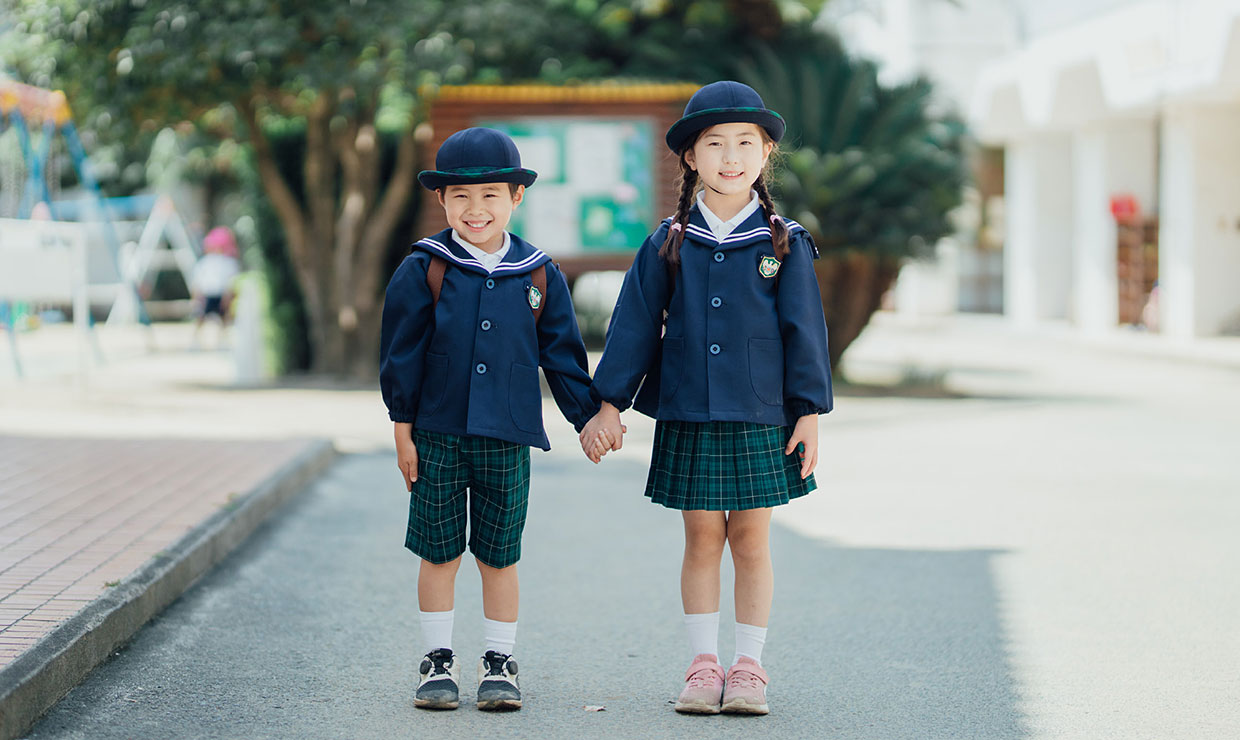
(768, 267)
(535, 297)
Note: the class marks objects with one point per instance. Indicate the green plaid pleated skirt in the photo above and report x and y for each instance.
(723, 466)
(496, 475)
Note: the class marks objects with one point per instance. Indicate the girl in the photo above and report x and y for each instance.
(720, 324)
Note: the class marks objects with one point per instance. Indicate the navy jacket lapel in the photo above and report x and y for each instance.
(521, 256)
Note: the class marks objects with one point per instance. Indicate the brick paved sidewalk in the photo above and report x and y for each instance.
(79, 515)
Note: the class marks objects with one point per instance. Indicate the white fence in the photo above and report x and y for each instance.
(47, 262)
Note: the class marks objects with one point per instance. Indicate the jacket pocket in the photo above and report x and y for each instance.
(434, 383)
(671, 367)
(525, 398)
(766, 370)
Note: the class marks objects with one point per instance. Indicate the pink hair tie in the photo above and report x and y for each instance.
(775, 218)
(675, 227)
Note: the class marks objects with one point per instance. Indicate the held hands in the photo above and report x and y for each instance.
(603, 433)
(805, 433)
(406, 454)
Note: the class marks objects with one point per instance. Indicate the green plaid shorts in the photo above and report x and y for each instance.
(497, 475)
(723, 466)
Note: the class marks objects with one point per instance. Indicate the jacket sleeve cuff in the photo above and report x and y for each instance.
(401, 417)
(621, 404)
(798, 407)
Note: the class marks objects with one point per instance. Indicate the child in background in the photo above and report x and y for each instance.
(720, 325)
(211, 282)
(468, 319)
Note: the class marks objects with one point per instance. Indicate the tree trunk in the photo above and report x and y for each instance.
(852, 285)
(339, 234)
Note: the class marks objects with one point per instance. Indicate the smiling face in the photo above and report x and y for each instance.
(729, 157)
(480, 212)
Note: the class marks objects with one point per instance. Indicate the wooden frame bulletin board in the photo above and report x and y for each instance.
(606, 178)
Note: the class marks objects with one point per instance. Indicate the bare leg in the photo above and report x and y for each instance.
(437, 585)
(749, 539)
(500, 592)
(705, 533)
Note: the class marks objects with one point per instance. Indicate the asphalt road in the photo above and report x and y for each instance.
(311, 631)
(1042, 547)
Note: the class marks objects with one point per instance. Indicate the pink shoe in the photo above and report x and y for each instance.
(703, 686)
(745, 692)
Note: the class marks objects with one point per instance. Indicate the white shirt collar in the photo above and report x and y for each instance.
(489, 260)
(721, 228)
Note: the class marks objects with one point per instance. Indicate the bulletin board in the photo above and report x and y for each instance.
(595, 187)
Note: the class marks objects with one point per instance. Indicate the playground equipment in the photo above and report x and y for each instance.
(72, 251)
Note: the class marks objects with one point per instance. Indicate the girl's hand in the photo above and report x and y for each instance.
(406, 454)
(602, 433)
(805, 433)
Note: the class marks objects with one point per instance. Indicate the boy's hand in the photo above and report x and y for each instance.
(602, 445)
(602, 433)
(406, 454)
(805, 434)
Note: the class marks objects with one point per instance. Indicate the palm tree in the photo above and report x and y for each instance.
(872, 172)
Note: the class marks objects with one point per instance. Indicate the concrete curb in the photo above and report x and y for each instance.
(41, 676)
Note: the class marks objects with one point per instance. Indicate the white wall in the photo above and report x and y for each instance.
(1038, 265)
(1199, 244)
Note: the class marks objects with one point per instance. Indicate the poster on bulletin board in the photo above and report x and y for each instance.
(595, 189)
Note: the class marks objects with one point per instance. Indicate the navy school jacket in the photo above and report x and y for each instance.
(472, 367)
(741, 344)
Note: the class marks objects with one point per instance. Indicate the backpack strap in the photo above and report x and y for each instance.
(434, 281)
(434, 277)
(539, 278)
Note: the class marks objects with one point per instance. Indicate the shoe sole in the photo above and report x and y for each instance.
(744, 707)
(685, 708)
(434, 704)
(500, 705)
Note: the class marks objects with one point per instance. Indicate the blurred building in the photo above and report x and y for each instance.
(1119, 124)
(949, 42)
(1110, 160)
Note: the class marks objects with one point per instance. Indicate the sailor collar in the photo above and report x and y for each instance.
(751, 230)
(522, 256)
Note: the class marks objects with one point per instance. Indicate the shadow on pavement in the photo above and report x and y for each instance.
(311, 630)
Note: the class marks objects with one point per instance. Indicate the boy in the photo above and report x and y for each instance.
(469, 317)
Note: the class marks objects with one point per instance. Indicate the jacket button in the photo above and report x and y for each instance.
(481, 368)
(716, 301)
(486, 325)
(714, 349)
(719, 256)
(490, 283)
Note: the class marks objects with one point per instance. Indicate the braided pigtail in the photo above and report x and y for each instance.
(779, 229)
(670, 251)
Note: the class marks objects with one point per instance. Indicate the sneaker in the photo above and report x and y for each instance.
(703, 686)
(745, 691)
(438, 681)
(497, 682)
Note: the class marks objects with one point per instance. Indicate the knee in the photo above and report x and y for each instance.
(441, 569)
(748, 547)
(488, 571)
(704, 543)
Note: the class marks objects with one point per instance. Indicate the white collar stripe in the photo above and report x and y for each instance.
(763, 230)
(463, 260)
(502, 267)
(746, 234)
(509, 267)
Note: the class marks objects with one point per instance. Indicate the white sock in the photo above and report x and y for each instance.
(749, 642)
(703, 633)
(500, 636)
(437, 629)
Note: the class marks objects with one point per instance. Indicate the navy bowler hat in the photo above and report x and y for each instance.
(475, 155)
(723, 102)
